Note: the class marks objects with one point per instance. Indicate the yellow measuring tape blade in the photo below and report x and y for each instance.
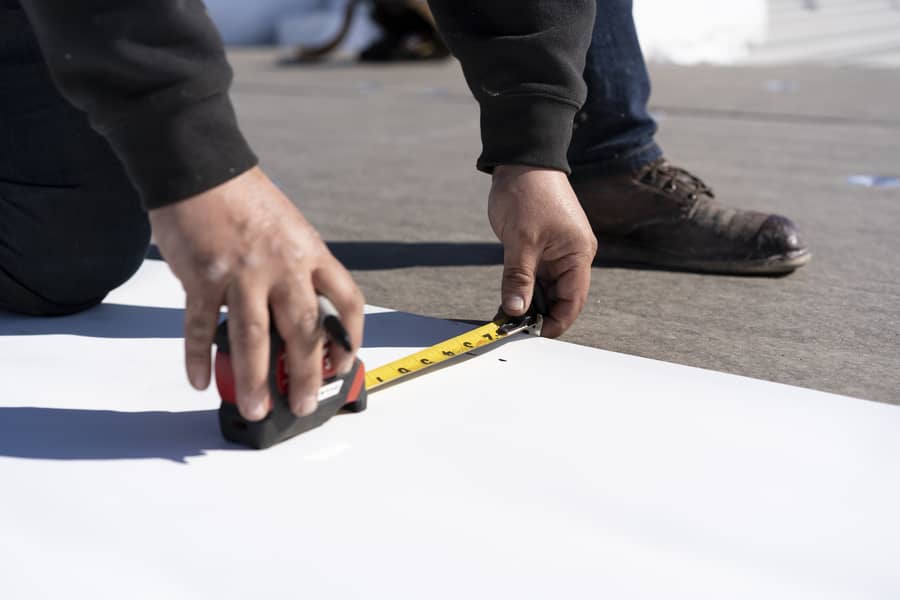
(487, 334)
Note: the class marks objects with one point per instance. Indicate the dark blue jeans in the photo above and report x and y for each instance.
(614, 130)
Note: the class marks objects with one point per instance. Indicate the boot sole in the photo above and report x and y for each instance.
(612, 250)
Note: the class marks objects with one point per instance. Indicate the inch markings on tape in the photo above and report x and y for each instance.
(442, 352)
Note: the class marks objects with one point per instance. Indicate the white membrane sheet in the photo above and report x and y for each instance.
(537, 469)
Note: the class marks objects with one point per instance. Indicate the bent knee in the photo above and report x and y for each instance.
(66, 284)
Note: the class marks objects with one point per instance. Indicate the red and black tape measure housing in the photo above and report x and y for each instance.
(346, 393)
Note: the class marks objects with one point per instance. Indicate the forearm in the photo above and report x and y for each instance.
(523, 62)
(153, 78)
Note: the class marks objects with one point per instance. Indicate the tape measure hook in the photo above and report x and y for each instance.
(536, 327)
(530, 324)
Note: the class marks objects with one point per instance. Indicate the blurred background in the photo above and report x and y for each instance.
(785, 106)
(686, 32)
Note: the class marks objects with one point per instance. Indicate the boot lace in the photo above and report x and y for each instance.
(670, 178)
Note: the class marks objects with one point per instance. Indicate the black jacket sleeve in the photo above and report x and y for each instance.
(523, 61)
(153, 78)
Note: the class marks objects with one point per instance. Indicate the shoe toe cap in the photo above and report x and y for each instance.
(779, 236)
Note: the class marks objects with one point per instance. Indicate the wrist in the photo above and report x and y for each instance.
(507, 172)
(239, 186)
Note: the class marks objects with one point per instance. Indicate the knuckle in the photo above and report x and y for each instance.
(196, 354)
(197, 328)
(584, 241)
(577, 261)
(518, 276)
(308, 321)
(528, 238)
(249, 331)
(357, 300)
(308, 383)
(213, 268)
(306, 379)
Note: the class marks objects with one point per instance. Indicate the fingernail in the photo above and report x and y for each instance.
(197, 380)
(308, 405)
(256, 409)
(515, 303)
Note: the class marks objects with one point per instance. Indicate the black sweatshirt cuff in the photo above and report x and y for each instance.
(172, 155)
(526, 129)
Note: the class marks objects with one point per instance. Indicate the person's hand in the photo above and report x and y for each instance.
(243, 244)
(545, 235)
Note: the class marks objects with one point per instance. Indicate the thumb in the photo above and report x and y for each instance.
(517, 287)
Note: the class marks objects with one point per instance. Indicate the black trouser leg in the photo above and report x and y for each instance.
(71, 225)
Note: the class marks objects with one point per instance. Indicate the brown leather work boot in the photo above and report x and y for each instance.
(663, 216)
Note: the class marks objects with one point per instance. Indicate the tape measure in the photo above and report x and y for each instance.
(452, 348)
(345, 392)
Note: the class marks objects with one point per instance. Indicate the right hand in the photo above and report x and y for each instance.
(546, 236)
(244, 244)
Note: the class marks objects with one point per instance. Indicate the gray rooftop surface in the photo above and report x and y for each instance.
(381, 159)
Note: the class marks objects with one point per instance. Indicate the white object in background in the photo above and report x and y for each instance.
(538, 469)
(694, 31)
(845, 32)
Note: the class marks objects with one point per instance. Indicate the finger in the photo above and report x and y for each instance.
(519, 266)
(248, 333)
(336, 284)
(201, 316)
(570, 290)
(296, 313)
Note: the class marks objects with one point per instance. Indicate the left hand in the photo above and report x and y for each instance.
(545, 235)
(245, 244)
